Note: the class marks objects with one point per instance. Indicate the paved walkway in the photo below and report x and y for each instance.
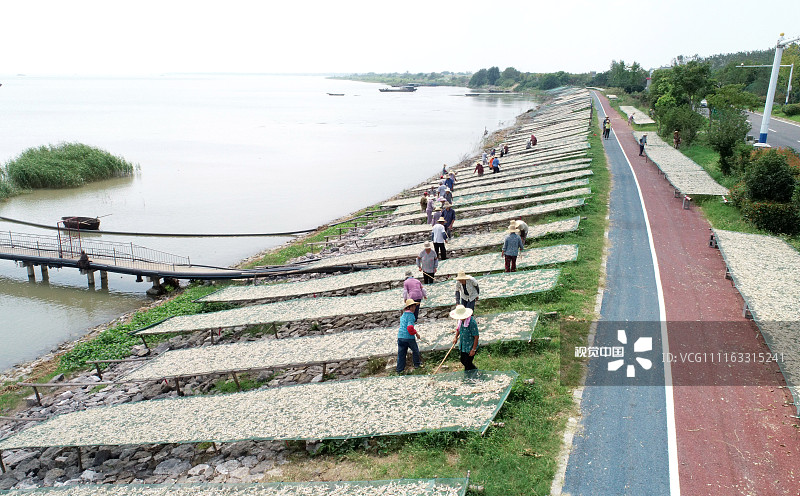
(620, 446)
(734, 430)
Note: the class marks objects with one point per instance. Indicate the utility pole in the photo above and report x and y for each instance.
(773, 82)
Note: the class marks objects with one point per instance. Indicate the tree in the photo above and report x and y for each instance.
(549, 81)
(681, 118)
(493, 74)
(732, 96)
(693, 79)
(479, 79)
(511, 74)
(727, 130)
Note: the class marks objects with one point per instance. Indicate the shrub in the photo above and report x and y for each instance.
(791, 109)
(738, 194)
(728, 130)
(682, 118)
(769, 178)
(771, 216)
(67, 165)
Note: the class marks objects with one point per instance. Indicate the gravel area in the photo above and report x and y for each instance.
(398, 487)
(639, 117)
(383, 232)
(328, 348)
(490, 262)
(681, 171)
(440, 294)
(461, 243)
(766, 271)
(330, 410)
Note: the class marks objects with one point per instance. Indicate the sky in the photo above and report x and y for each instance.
(146, 37)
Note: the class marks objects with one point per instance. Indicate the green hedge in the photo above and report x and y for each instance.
(791, 109)
(774, 217)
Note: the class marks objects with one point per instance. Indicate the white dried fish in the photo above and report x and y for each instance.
(355, 408)
(502, 285)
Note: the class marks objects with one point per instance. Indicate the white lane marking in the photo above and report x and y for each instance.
(672, 441)
(772, 130)
(782, 121)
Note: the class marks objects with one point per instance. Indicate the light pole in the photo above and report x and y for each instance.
(791, 72)
(773, 82)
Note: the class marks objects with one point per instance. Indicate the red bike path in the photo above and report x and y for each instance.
(734, 422)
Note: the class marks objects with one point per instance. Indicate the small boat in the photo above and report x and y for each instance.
(335, 94)
(84, 223)
(402, 89)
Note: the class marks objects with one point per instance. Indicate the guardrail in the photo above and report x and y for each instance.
(68, 245)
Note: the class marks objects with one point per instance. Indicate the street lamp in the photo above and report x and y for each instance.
(773, 82)
(791, 72)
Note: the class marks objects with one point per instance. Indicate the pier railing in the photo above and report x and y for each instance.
(67, 245)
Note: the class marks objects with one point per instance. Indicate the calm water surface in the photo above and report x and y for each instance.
(216, 154)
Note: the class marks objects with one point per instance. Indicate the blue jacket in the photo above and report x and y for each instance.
(449, 216)
(512, 245)
(406, 320)
(449, 183)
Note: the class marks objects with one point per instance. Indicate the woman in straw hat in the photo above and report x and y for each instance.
(512, 245)
(427, 262)
(466, 335)
(407, 337)
(467, 290)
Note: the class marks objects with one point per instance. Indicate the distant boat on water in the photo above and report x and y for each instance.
(335, 94)
(401, 89)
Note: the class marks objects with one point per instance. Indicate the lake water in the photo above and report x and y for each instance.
(217, 153)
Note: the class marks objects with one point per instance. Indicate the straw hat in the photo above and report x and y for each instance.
(441, 219)
(409, 274)
(427, 245)
(461, 276)
(460, 312)
(512, 229)
(408, 303)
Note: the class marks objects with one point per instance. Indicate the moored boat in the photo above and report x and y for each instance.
(84, 223)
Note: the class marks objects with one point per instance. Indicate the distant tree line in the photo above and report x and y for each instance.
(444, 78)
(632, 78)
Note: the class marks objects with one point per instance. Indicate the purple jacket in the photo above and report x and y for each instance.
(413, 289)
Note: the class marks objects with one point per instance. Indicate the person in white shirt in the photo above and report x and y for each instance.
(439, 238)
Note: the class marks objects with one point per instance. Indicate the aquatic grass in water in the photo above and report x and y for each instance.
(6, 188)
(67, 165)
